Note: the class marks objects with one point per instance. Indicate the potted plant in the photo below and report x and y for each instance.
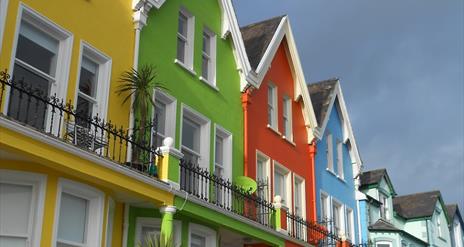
(138, 86)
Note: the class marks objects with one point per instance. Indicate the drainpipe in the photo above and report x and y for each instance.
(246, 100)
(312, 155)
(139, 18)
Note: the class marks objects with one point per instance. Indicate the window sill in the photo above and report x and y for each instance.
(274, 130)
(289, 141)
(442, 239)
(184, 66)
(335, 175)
(208, 83)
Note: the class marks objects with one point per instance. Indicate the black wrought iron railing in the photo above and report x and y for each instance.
(59, 119)
(206, 186)
(316, 233)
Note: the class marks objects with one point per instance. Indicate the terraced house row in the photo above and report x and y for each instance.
(128, 120)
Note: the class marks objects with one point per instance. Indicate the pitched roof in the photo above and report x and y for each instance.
(320, 93)
(416, 205)
(372, 177)
(382, 225)
(257, 37)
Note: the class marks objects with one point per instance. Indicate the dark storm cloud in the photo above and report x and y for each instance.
(401, 66)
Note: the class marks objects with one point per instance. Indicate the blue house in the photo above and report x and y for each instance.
(337, 162)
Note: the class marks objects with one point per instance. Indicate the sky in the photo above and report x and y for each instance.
(401, 66)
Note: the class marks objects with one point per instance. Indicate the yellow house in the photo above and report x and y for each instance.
(53, 159)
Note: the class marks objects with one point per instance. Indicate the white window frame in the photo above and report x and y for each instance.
(156, 222)
(274, 107)
(389, 243)
(38, 183)
(287, 116)
(208, 233)
(104, 63)
(267, 161)
(95, 198)
(211, 77)
(302, 182)
(59, 84)
(205, 128)
(171, 109)
(286, 199)
(384, 207)
(329, 151)
(227, 150)
(349, 223)
(110, 222)
(189, 41)
(326, 207)
(341, 215)
(340, 171)
(3, 13)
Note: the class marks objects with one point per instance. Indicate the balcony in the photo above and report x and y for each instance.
(224, 194)
(56, 118)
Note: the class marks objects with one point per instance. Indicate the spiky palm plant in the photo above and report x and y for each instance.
(157, 241)
(139, 85)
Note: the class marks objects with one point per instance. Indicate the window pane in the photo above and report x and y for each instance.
(191, 135)
(73, 218)
(160, 112)
(182, 27)
(298, 201)
(88, 77)
(197, 241)
(205, 67)
(12, 242)
(149, 232)
(37, 48)
(260, 169)
(206, 43)
(181, 48)
(15, 206)
(33, 112)
(324, 207)
(219, 150)
(84, 111)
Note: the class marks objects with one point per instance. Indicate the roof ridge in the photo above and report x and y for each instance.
(263, 21)
(324, 81)
(420, 193)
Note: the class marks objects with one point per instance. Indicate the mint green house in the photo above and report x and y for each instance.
(401, 221)
(194, 46)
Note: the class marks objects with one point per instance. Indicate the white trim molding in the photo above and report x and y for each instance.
(65, 41)
(209, 234)
(38, 182)
(140, 222)
(104, 63)
(3, 13)
(94, 221)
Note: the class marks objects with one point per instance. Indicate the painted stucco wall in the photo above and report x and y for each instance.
(158, 42)
(293, 154)
(326, 181)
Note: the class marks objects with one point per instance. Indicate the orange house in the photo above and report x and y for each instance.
(279, 119)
